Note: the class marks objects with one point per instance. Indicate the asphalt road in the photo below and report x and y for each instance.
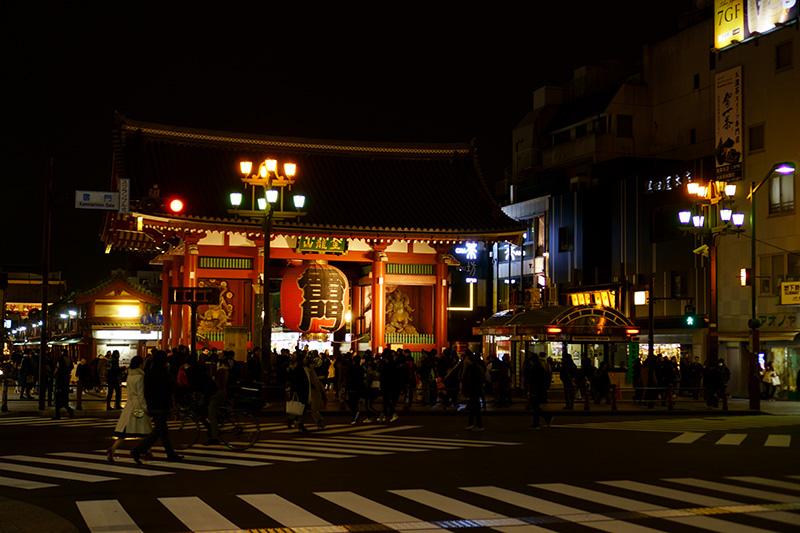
(418, 474)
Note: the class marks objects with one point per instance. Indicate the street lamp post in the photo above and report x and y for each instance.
(273, 184)
(754, 381)
(711, 216)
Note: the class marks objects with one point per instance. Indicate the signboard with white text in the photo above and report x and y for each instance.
(108, 201)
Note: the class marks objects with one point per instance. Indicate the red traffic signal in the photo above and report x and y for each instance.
(175, 205)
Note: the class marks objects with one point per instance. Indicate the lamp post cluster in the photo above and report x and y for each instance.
(268, 186)
(713, 215)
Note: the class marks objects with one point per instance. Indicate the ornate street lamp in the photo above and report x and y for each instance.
(754, 382)
(265, 206)
(711, 216)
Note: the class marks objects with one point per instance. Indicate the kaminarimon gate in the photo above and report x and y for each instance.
(386, 216)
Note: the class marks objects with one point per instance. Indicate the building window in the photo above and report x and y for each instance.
(783, 55)
(580, 130)
(696, 81)
(692, 136)
(755, 138)
(565, 239)
(561, 137)
(625, 126)
(600, 125)
(781, 194)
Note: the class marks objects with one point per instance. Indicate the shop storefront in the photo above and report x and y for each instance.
(595, 332)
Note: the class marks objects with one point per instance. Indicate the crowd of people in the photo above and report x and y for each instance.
(391, 379)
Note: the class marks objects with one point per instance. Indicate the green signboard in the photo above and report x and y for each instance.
(321, 245)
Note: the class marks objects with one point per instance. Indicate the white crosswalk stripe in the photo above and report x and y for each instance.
(699, 499)
(196, 514)
(703, 522)
(614, 508)
(201, 458)
(692, 424)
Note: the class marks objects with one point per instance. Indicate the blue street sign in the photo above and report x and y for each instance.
(146, 319)
(158, 319)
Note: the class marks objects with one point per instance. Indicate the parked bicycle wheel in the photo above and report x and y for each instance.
(184, 429)
(239, 430)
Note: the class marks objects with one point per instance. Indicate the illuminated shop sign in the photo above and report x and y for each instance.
(668, 183)
(605, 298)
(470, 251)
(737, 20)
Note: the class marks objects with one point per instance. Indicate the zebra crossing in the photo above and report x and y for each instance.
(38, 472)
(625, 506)
(695, 430)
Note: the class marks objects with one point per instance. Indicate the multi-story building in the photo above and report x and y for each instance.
(599, 174)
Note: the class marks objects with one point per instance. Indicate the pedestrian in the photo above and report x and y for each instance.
(318, 399)
(102, 367)
(49, 373)
(26, 376)
(602, 384)
(569, 375)
(133, 422)
(354, 385)
(766, 378)
(472, 386)
(113, 375)
(504, 383)
(159, 386)
(84, 377)
(300, 387)
(425, 375)
(713, 382)
(540, 383)
(372, 385)
(696, 377)
(61, 383)
(390, 385)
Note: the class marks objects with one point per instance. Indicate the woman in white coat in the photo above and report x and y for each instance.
(133, 422)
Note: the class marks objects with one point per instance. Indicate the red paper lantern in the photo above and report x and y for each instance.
(314, 298)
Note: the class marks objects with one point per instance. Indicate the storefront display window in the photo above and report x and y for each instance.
(785, 361)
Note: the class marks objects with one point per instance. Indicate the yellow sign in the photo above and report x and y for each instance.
(728, 22)
(790, 293)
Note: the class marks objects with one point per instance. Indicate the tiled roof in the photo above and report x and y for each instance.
(352, 188)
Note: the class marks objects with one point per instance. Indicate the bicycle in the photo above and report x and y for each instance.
(238, 429)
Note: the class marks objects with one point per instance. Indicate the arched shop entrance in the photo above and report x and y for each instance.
(595, 331)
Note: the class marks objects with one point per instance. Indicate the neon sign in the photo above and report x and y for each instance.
(470, 250)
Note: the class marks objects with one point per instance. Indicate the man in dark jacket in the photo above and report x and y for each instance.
(540, 382)
(159, 386)
(61, 382)
(473, 390)
(112, 377)
(354, 385)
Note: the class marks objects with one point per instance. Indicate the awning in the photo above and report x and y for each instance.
(764, 336)
(580, 323)
(67, 342)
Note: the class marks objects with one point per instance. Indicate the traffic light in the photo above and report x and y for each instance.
(175, 205)
(746, 277)
(690, 319)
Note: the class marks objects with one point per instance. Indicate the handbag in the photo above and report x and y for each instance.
(294, 407)
(138, 413)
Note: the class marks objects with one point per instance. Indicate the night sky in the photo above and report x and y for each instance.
(398, 72)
